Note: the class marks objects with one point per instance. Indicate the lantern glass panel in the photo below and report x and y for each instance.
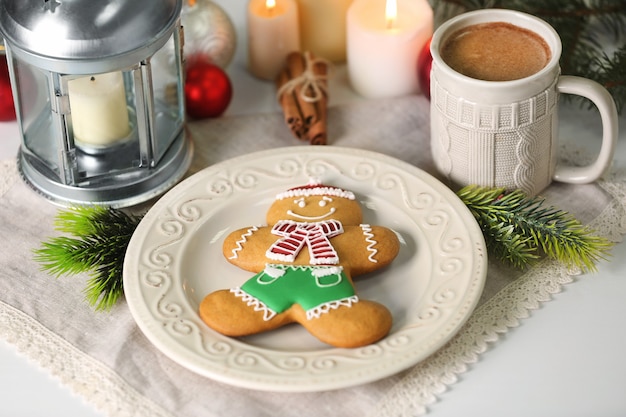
(34, 109)
(167, 76)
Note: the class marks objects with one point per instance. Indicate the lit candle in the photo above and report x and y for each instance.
(391, 13)
(98, 107)
(272, 34)
(323, 28)
(384, 39)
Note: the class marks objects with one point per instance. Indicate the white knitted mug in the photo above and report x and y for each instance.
(505, 133)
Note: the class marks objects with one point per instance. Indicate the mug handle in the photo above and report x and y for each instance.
(608, 113)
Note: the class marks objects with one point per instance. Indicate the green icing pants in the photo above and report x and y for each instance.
(315, 288)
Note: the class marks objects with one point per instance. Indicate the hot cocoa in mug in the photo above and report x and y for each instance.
(495, 86)
(496, 51)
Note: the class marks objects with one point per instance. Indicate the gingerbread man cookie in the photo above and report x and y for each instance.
(304, 262)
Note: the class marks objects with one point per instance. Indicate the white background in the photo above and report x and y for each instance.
(567, 359)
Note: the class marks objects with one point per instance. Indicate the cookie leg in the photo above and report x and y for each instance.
(228, 314)
(361, 324)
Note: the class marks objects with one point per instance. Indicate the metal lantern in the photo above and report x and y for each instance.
(98, 89)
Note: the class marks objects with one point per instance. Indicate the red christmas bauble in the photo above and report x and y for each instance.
(7, 110)
(208, 90)
(424, 65)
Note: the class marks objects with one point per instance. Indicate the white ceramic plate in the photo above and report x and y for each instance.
(174, 259)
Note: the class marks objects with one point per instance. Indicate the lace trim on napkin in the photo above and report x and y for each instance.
(86, 377)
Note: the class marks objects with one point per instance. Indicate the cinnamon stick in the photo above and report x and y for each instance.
(296, 65)
(302, 85)
(317, 131)
(291, 110)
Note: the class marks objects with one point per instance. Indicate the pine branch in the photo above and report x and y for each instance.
(100, 238)
(509, 247)
(519, 229)
(611, 71)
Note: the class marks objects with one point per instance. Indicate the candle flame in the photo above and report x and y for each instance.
(391, 12)
(191, 3)
(270, 4)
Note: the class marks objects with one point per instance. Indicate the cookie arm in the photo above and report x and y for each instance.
(367, 248)
(246, 247)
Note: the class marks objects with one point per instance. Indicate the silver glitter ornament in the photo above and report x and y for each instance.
(209, 32)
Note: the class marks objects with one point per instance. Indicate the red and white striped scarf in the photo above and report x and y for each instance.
(296, 235)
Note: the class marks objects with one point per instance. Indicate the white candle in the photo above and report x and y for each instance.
(323, 28)
(98, 107)
(272, 34)
(383, 48)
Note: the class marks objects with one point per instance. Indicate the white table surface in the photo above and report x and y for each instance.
(567, 359)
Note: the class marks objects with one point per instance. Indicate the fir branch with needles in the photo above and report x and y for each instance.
(97, 244)
(519, 230)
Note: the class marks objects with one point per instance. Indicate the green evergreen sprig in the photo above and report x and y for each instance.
(519, 230)
(97, 244)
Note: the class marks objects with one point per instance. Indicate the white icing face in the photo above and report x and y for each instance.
(315, 208)
(302, 203)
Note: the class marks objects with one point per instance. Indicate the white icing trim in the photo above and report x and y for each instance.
(320, 271)
(315, 187)
(338, 280)
(369, 238)
(325, 261)
(279, 256)
(307, 192)
(316, 312)
(244, 239)
(251, 301)
(274, 271)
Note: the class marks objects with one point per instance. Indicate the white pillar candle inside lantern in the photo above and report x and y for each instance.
(98, 106)
(99, 123)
